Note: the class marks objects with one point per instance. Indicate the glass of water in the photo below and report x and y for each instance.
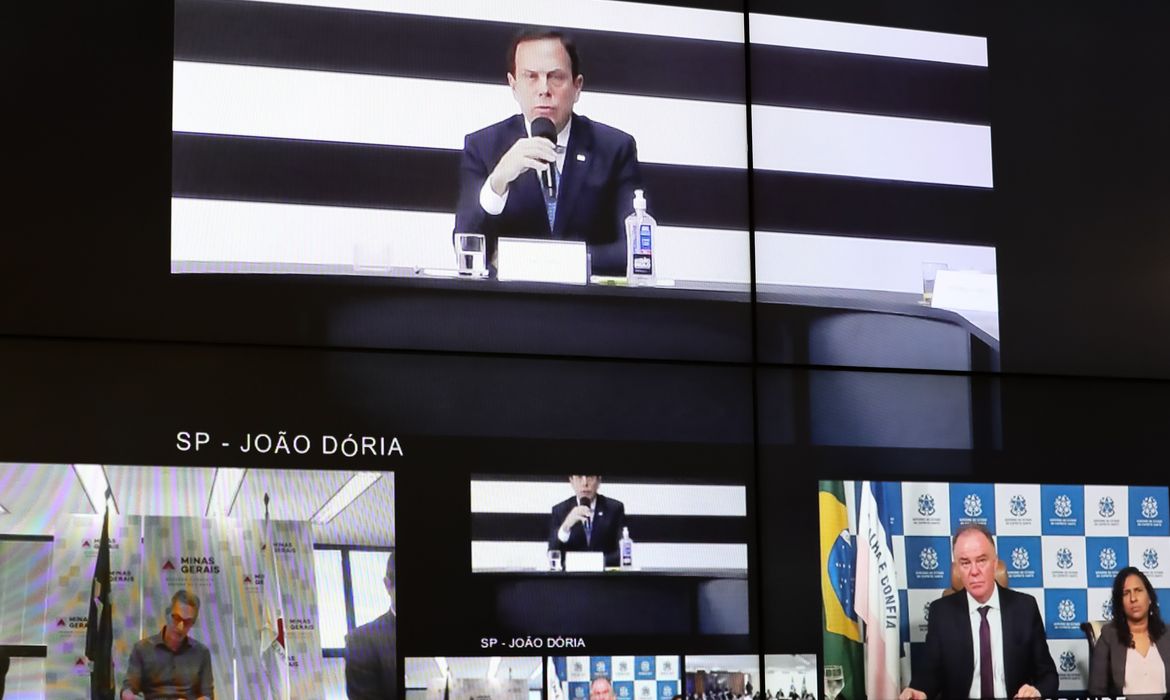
(554, 560)
(834, 681)
(471, 254)
(929, 273)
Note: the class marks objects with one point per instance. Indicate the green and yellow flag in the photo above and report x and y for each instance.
(842, 636)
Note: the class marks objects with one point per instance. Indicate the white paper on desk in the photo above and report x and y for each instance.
(584, 561)
(966, 290)
(534, 260)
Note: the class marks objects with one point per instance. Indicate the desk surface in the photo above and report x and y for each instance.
(408, 277)
(984, 325)
(824, 297)
(689, 320)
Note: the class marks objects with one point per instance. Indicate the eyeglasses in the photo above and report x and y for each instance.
(187, 621)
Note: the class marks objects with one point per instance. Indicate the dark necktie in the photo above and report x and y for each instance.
(550, 203)
(986, 679)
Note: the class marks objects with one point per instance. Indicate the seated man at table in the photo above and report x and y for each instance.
(594, 167)
(588, 521)
(170, 664)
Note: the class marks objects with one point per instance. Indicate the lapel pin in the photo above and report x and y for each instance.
(581, 157)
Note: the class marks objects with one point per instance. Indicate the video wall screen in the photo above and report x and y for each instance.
(403, 139)
(356, 141)
(290, 173)
(903, 563)
(872, 156)
(259, 582)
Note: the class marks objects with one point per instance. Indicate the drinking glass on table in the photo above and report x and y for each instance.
(471, 254)
(834, 681)
(929, 273)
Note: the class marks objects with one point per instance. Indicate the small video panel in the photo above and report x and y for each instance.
(197, 581)
(792, 677)
(661, 557)
(491, 678)
(909, 569)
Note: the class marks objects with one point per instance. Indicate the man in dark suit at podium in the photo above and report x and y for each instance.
(588, 522)
(983, 641)
(371, 652)
(594, 166)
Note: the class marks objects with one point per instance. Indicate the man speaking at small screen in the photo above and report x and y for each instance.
(983, 641)
(588, 522)
(548, 172)
(170, 664)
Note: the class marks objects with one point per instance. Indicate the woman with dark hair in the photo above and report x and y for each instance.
(1132, 657)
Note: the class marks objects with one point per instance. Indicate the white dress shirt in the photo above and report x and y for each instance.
(995, 622)
(493, 203)
(1144, 675)
(563, 534)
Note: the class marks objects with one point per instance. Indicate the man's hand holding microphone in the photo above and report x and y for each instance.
(537, 152)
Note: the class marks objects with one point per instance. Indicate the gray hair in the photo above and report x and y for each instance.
(973, 527)
(186, 598)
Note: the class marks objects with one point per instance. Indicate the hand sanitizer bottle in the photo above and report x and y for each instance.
(641, 230)
(627, 548)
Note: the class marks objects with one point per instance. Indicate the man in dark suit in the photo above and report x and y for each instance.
(588, 522)
(983, 641)
(371, 661)
(595, 166)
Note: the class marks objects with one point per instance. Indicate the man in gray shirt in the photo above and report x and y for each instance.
(170, 665)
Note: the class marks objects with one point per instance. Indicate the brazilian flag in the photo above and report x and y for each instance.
(842, 636)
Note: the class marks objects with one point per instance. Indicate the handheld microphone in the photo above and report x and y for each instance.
(586, 502)
(542, 127)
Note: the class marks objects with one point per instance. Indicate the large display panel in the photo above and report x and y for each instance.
(676, 454)
(260, 583)
(423, 100)
(260, 173)
(136, 404)
(1074, 247)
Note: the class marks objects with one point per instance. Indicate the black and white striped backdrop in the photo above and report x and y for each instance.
(871, 149)
(305, 130)
(674, 525)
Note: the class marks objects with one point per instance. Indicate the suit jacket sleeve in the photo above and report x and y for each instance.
(555, 519)
(473, 172)
(362, 679)
(610, 258)
(929, 670)
(1101, 660)
(1043, 668)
